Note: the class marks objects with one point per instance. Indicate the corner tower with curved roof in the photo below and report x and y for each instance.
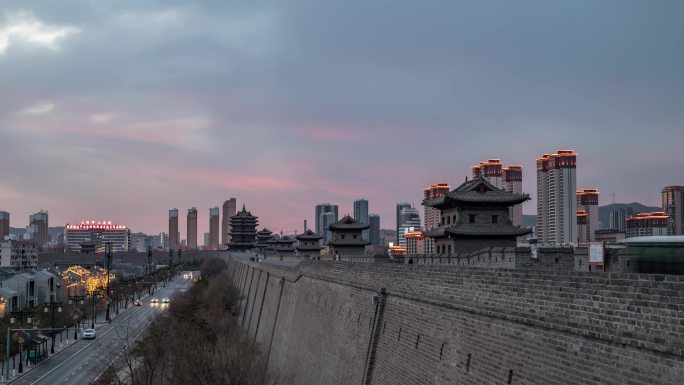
(474, 216)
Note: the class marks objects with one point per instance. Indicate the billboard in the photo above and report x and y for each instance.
(596, 252)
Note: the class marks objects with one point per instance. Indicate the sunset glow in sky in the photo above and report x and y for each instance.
(121, 110)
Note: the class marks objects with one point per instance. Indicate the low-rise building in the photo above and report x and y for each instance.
(25, 285)
(19, 255)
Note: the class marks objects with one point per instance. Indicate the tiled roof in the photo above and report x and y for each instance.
(477, 191)
(348, 242)
(348, 223)
(478, 230)
(308, 234)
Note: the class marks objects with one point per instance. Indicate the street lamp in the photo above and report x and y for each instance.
(79, 300)
(54, 306)
(93, 294)
(18, 316)
(108, 248)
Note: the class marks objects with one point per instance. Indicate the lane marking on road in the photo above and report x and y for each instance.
(82, 349)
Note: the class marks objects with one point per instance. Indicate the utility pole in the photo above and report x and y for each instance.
(108, 261)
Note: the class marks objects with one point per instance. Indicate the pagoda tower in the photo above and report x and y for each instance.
(475, 216)
(309, 244)
(346, 237)
(262, 240)
(242, 231)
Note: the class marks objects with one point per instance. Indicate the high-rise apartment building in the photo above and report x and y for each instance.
(400, 206)
(673, 205)
(648, 224)
(506, 178)
(213, 228)
(174, 240)
(4, 224)
(229, 210)
(556, 201)
(361, 215)
(322, 209)
(431, 215)
(512, 181)
(192, 228)
(40, 220)
(491, 170)
(587, 202)
(374, 235)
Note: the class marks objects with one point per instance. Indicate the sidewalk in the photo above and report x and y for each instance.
(63, 341)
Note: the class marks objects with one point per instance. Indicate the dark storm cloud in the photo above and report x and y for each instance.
(287, 104)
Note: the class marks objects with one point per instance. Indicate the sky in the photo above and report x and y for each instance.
(121, 110)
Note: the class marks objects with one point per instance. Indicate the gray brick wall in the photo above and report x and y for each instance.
(446, 324)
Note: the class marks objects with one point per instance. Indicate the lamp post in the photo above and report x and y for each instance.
(18, 316)
(80, 300)
(93, 294)
(108, 266)
(54, 306)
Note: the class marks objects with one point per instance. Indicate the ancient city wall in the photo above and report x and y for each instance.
(373, 323)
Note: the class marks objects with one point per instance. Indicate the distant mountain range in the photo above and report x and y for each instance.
(604, 212)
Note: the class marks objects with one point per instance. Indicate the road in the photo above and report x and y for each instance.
(83, 361)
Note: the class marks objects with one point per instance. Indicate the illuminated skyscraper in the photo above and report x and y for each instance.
(173, 229)
(492, 171)
(587, 201)
(213, 228)
(431, 215)
(647, 224)
(192, 228)
(673, 205)
(556, 200)
(229, 210)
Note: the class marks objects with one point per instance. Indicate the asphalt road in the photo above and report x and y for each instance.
(83, 361)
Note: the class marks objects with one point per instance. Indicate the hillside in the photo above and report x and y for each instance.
(604, 212)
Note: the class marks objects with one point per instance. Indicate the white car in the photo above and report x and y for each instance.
(166, 300)
(155, 300)
(89, 334)
(137, 302)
